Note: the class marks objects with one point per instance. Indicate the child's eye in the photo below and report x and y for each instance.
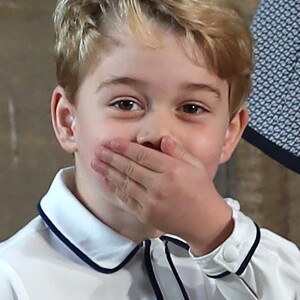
(126, 105)
(192, 109)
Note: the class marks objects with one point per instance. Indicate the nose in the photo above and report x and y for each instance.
(153, 130)
(150, 143)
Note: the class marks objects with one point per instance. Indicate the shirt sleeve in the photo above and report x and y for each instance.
(11, 287)
(253, 263)
(6, 290)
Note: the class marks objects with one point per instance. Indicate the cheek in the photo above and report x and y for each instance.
(207, 149)
(100, 133)
(112, 131)
(210, 160)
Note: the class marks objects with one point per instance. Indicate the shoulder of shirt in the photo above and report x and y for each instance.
(34, 227)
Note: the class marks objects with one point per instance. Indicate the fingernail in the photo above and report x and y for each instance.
(98, 166)
(99, 151)
(114, 145)
(170, 142)
(103, 154)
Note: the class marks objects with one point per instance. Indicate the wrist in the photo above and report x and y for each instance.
(218, 230)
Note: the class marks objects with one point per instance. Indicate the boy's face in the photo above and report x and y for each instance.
(142, 94)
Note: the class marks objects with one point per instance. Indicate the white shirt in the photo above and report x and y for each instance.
(67, 253)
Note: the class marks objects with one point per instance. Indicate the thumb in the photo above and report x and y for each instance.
(170, 147)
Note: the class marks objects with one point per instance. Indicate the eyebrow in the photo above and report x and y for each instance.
(120, 80)
(194, 87)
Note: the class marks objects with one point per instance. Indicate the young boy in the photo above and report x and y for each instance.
(150, 102)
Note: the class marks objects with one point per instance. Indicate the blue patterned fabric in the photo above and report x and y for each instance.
(274, 103)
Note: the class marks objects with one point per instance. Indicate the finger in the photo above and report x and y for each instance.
(124, 165)
(129, 192)
(119, 183)
(149, 158)
(170, 147)
(130, 203)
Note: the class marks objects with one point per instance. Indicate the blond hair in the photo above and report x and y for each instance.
(215, 28)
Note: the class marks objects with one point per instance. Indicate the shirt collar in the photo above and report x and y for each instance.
(94, 242)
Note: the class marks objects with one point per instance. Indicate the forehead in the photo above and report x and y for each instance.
(164, 65)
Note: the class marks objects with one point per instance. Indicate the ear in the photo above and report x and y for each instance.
(234, 132)
(63, 119)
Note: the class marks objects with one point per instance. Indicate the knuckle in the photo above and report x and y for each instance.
(108, 158)
(160, 190)
(181, 152)
(129, 169)
(174, 173)
(142, 157)
(163, 193)
(124, 184)
(124, 197)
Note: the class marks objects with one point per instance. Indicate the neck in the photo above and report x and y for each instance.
(127, 225)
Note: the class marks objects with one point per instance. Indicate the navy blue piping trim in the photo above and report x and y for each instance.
(226, 273)
(176, 242)
(246, 260)
(79, 253)
(169, 258)
(150, 272)
(251, 252)
(187, 247)
(277, 153)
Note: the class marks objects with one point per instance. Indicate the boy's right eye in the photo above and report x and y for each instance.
(126, 105)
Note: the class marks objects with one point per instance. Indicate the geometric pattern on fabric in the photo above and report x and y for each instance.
(274, 102)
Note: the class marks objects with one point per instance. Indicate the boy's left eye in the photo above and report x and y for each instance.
(192, 108)
(126, 105)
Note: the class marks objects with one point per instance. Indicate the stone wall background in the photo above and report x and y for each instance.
(30, 155)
